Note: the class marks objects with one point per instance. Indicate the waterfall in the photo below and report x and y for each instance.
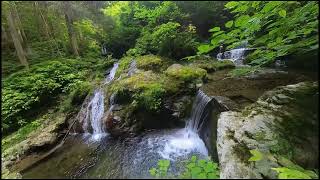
(199, 112)
(235, 55)
(94, 111)
(112, 73)
(94, 114)
(185, 141)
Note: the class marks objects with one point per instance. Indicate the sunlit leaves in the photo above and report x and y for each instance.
(204, 48)
(287, 173)
(229, 24)
(231, 4)
(215, 29)
(283, 13)
(242, 21)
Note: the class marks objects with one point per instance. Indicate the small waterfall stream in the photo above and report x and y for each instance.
(235, 55)
(95, 110)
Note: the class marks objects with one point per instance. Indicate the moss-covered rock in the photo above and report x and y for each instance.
(186, 73)
(124, 64)
(283, 123)
(212, 66)
(152, 62)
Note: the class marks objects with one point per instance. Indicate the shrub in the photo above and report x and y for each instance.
(194, 169)
(25, 91)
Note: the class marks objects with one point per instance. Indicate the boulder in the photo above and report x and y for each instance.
(282, 124)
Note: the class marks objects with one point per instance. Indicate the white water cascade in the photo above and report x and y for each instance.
(182, 142)
(94, 111)
(235, 55)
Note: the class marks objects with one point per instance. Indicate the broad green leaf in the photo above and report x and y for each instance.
(283, 13)
(204, 48)
(231, 4)
(256, 155)
(242, 20)
(193, 158)
(229, 24)
(286, 173)
(215, 29)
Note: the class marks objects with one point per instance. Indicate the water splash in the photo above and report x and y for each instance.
(183, 142)
(235, 55)
(94, 114)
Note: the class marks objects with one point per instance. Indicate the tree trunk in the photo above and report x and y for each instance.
(21, 32)
(16, 40)
(71, 32)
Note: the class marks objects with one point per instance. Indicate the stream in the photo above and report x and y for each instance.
(95, 154)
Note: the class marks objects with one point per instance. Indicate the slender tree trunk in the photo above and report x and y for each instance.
(21, 32)
(16, 40)
(71, 32)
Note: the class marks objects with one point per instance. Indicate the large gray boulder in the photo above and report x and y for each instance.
(282, 125)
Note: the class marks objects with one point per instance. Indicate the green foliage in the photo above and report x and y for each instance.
(124, 64)
(161, 170)
(186, 73)
(25, 91)
(168, 40)
(287, 173)
(200, 169)
(194, 169)
(78, 92)
(283, 28)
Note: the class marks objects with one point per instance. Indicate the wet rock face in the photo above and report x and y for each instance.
(283, 123)
(246, 90)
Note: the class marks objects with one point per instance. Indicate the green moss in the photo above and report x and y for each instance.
(124, 64)
(243, 71)
(144, 87)
(186, 73)
(151, 62)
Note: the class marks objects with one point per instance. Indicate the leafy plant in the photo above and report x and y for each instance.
(281, 28)
(161, 170)
(194, 169)
(201, 169)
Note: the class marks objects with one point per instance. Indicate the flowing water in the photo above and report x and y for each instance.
(95, 111)
(235, 55)
(129, 158)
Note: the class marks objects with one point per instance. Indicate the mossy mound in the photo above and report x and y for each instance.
(186, 73)
(215, 65)
(124, 64)
(152, 62)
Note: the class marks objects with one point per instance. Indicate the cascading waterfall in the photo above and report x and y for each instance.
(95, 110)
(235, 55)
(182, 142)
(199, 112)
(94, 114)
